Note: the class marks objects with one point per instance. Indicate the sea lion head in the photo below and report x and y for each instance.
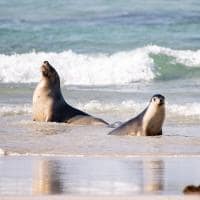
(49, 73)
(158, 100)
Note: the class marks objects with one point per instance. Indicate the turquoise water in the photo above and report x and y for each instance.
(97, 26)
(147, 40)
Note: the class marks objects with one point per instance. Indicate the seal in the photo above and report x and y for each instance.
(147, 123)
(192, 190)
(50, 106)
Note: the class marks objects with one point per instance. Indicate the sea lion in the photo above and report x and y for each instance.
(192, 190)
(147, 123)
(50, 106)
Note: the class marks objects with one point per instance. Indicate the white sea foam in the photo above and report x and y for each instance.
(187, 110)
(99, 69)
(128, 107)
(77, 69)
(6, 110)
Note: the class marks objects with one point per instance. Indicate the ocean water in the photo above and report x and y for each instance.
(87, 26)
(112, 56)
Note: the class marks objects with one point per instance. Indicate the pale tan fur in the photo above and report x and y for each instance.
(42, 102)
(50, 106)
(153, 119)
(147, 123)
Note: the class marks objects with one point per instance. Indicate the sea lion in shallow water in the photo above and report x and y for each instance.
(147, 123)
(50, 106)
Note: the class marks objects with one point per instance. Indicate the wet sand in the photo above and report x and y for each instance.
(103, 198)
(51, 161)
(93, 177)
(22, 136)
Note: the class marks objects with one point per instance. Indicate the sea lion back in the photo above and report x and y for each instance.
(131, 127)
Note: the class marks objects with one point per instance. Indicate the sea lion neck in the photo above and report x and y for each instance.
(48, 83)
(52, 81)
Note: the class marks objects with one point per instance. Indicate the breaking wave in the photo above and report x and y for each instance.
(142, 64)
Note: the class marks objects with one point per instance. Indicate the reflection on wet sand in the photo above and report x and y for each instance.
(92, 176)
(46, 177)
(153, 172)
(97, 176)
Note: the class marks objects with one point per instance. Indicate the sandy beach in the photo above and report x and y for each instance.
(103, 198)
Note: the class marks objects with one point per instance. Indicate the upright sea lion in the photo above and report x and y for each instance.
(147, 123)
(50, 106)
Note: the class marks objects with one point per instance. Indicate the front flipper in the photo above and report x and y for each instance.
(160, 133)
(115, 124)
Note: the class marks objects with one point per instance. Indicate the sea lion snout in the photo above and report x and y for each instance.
(46, 63)
(162, 101)
(46, 69)
(45, 66)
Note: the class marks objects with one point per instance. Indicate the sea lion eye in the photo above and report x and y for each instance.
(154, 99)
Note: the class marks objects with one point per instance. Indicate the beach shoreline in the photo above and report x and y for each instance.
(172, 197)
